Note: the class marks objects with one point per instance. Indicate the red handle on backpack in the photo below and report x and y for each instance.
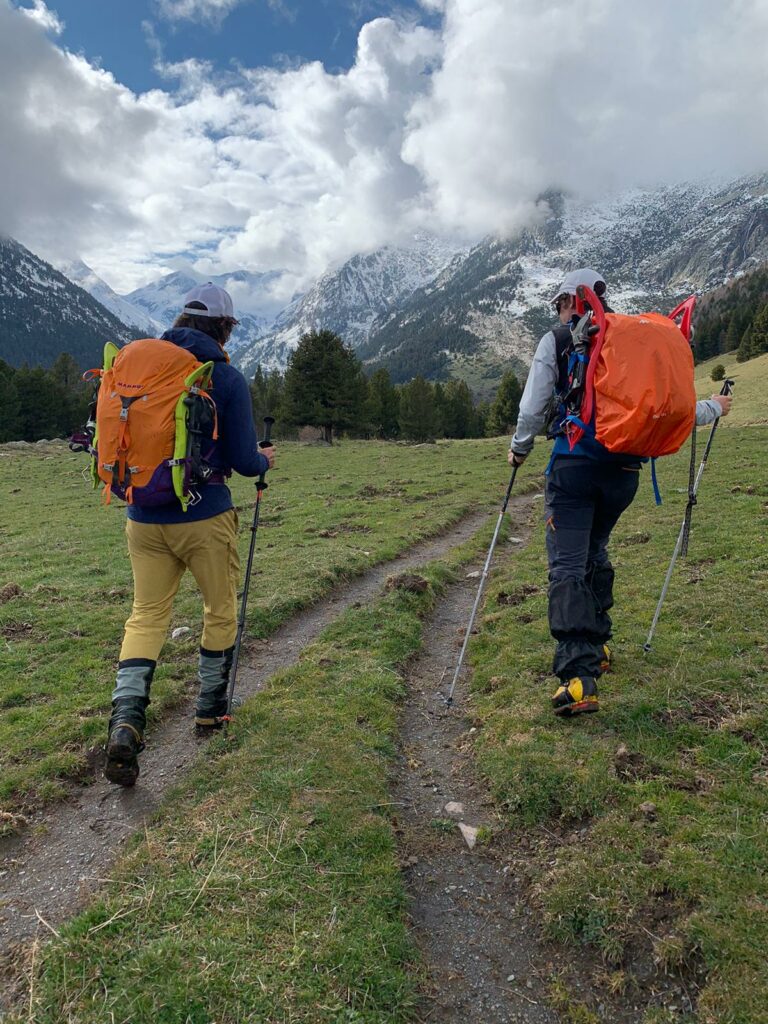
(685, 312)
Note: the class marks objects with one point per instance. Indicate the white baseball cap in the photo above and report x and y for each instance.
(217, 302)
(572, 281)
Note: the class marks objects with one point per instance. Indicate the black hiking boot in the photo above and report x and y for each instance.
(123, 747)
(575, 696)
(126, 740)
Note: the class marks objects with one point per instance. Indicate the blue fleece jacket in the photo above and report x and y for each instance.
(237, 445)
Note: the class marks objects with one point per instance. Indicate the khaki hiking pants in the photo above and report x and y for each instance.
(160, 554)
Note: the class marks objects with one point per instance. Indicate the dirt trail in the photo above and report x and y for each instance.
(49, 872)
(474, 930)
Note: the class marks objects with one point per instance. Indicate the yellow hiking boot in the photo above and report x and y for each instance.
(605, 664)
(577, 696)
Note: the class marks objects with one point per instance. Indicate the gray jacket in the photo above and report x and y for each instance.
(537, 395)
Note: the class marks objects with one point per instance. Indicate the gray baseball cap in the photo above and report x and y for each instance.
(572, 281)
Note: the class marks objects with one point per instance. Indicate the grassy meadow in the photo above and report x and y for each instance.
(329, 513)
(751, 399)
(656, 809)
(269, 888)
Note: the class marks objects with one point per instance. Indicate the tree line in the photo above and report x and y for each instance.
(37, 403)
(735, 317)
(324, 386)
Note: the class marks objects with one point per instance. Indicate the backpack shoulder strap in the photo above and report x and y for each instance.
(110, 352)
(563, 341)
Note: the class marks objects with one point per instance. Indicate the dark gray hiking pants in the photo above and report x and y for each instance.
(584, 499)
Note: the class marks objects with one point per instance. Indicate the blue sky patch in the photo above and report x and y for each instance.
(126, 36)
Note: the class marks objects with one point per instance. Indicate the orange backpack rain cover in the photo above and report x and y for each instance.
(643, 386)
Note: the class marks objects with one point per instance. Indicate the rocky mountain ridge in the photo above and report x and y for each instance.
(428, 308)
(653, 246)
(349, 299)
(43, 313)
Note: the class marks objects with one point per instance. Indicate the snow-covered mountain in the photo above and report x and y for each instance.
(430, 308)
(125, 311)
(43, 313)
(487, 310)
(163, 300)
(349, 299)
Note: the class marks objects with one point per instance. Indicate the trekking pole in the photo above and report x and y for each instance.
(483, 577)
(261, 485)
(682, 537)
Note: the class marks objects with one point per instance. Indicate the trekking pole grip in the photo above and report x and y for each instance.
(269, 422)
(261, 484)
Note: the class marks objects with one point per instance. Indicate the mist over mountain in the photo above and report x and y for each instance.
(488, 310)
(430, 308)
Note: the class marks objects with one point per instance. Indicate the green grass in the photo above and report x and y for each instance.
(750, 406)
(329, 513)
(682, 884)
(270, 889)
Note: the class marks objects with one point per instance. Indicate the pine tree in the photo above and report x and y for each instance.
(733, 334)
(42, 404)
(758, 343)
(482, 417)
(505, 407)
(10, 404)
(258, 389)
(383, 406)
(76, 394)
(459, 411)
(267, 400)
(66, 371)
(324, 385)
(744, 351)
(418, 414)
(438, 396)
(275, 390)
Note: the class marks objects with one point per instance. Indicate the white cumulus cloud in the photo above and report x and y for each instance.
(456, 129)
(47, 19)
(588, 95)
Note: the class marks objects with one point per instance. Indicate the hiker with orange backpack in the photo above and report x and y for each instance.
(181, 515)
(588, 484)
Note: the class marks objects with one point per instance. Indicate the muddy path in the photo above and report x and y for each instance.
(50, 871)
(471, 922)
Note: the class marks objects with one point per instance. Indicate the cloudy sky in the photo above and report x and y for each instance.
(291, 134)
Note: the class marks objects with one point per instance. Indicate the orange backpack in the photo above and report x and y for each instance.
(150, 392)
(638, 395)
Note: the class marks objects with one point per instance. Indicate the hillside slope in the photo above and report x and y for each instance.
(43, 313)
(750, 403)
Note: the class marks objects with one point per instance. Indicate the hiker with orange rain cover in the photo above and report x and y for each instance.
(173, 420)
(608, 411)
